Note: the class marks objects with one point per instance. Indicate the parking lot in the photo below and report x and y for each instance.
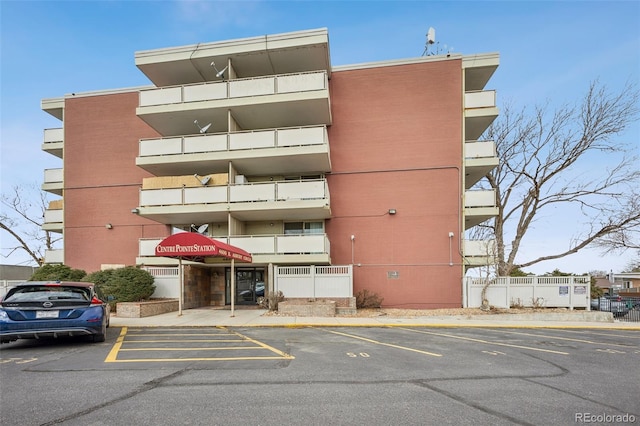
(319, 375)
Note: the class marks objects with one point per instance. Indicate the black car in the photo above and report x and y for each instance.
(35, 310)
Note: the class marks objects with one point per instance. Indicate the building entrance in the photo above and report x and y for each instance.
(249, 285)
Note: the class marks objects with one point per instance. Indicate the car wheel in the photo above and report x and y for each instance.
(97, 338)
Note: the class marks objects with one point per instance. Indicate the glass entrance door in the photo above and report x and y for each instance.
(249, 285)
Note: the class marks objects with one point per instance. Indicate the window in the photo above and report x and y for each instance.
(302, 228)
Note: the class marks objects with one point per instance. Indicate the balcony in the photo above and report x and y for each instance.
(53, 181)
(479, 112)
(479, 206)
(53, 142)
(479, 252)
(53, 106)
(284, 100)
(285, 53)
(261, 152)
(54, 217)
(300, 200)
(480, 157)
(54, 256)
(291, 249)
(478, 69)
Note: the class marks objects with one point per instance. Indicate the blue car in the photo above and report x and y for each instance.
(35, 310)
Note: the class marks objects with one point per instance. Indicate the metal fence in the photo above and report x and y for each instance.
(623, 308)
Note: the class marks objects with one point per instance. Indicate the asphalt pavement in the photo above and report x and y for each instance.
(243, 317)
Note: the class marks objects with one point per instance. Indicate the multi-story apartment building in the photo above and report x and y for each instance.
(262, 144)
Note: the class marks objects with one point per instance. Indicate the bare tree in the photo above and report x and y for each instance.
(542, 166)
(22, 217)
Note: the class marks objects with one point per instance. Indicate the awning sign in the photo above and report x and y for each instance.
(194, 246)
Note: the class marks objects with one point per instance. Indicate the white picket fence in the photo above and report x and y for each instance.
(549, 292)
(308, 281)
(314, 281)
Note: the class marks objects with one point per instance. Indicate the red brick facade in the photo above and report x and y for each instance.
(396, 143)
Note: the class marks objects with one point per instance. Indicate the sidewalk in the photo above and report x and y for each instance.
(258, 318)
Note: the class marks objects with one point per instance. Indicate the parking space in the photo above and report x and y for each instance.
(406, 374)
(189, 344)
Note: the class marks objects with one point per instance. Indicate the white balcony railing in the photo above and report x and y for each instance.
(262, 139)
(53, 216)
(250, 192)
(53, 175)
(53, 135)
(480, 149)
(480, 99)
(282, 244)
(260, 244)
(239, 88)
(480, 198)
(479, 248)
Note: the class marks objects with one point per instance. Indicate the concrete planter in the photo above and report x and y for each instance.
(306, 308)
(146, 309)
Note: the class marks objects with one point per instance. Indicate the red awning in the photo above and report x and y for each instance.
(194, 246)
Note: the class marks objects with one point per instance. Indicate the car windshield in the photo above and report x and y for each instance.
(44, 293)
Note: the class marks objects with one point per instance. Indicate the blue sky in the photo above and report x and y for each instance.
(549, 51)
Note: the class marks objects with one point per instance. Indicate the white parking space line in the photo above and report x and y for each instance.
(353, 336)
(563, 338)
(487, 342)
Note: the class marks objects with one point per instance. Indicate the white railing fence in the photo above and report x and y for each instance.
(167, 281)
(548, 292)
(314, 281)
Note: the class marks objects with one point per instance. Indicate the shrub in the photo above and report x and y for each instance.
(99, 278)
(366, 299)
(51, 272)
(271, 300)
(596, 291)
(128, 284)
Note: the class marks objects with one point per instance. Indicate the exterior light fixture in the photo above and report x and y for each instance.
(108, 226)
(135, 211)
(392, 211)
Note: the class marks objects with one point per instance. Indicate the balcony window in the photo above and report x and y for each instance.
(303, 228)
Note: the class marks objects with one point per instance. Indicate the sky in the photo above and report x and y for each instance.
(550, 51)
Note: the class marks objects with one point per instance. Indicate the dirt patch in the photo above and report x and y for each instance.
(409, 313)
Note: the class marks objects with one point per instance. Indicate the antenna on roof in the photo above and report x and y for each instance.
(431, 40)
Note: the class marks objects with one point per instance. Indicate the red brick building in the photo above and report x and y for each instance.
(262, 144)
